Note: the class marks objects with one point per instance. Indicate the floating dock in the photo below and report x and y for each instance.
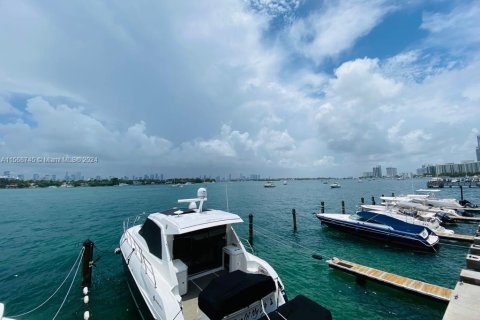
(465, 219)
(456, 237)
(466, 295)
(418, 287)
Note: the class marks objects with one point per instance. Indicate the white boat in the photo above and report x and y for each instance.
(188, 263)
(334, 185)
(284, 182)
(269, 184)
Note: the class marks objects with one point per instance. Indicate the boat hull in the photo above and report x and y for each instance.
(384, 236)
(143, 310)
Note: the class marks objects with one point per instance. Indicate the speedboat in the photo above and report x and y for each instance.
(188, 263)
(269, 184)
(334, 185)
(383, 228)
(430, 221)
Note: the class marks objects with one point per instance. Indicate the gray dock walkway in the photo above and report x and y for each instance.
(418, 287)
(456, 237)
(465, 302)
(465, 219)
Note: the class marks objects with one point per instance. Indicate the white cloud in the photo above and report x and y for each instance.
(456, 29)
(214, 85)
(335, 27)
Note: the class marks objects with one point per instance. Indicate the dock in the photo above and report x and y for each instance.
(418, 287)
(466, 295)
(455, 237)
(465, 219)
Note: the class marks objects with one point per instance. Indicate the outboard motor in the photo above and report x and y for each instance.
(444, 217)
(467, 204)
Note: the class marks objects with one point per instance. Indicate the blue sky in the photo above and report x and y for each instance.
(276, 87)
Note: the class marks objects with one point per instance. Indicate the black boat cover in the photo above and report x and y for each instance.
(232, 292)
(299, 308)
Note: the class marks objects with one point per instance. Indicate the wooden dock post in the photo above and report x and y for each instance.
(294, 216)
(373, 200)
(382, 197)
(250, 229)
(87, 263)
(362, 200)
(393, 194)
(322, 207)
(343, 207)
(461, 193)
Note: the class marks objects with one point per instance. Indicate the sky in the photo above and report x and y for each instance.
(280, 88)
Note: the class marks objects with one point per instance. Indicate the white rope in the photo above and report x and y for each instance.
(71, 284)
(53, 294)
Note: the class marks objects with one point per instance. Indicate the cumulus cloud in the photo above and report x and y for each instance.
(215, 86)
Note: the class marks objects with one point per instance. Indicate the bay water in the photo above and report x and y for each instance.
(42, 231)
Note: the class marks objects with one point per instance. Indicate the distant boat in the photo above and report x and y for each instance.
(435, 183)
(284, 182)
(384, 229)
(334, 185)
(269, 184)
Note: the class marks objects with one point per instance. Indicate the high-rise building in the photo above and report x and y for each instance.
(377, 171)
(478, 148)
(391, 172)
(36, 176)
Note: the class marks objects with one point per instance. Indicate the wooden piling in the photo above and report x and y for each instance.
(461, 193)
(343, 207)
(87, 263)
(294, 217)
(322, 207)
(373, 200)
(382, 197)
(250, 229)
(362, 200)
(393, 194)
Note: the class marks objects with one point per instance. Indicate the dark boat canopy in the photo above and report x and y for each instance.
(399, 225)
(232, 292)
(299, 308)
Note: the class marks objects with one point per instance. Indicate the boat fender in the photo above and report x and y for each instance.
(86, 299)
(86, 315)
(85, 291)
(117, 251)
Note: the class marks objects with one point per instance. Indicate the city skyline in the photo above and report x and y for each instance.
(285, 88)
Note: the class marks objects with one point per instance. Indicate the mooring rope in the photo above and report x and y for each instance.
(70, 288)
(55, 292)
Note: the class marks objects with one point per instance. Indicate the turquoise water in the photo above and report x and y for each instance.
(42, 231)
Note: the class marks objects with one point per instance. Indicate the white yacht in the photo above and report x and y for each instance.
(188, 263)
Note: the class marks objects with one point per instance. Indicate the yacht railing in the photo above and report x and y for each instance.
(137, 250)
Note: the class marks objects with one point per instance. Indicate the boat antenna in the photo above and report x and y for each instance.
(226, 196)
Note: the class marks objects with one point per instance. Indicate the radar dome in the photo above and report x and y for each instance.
(202, 193)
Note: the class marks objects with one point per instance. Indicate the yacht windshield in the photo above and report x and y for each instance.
(424, 234)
